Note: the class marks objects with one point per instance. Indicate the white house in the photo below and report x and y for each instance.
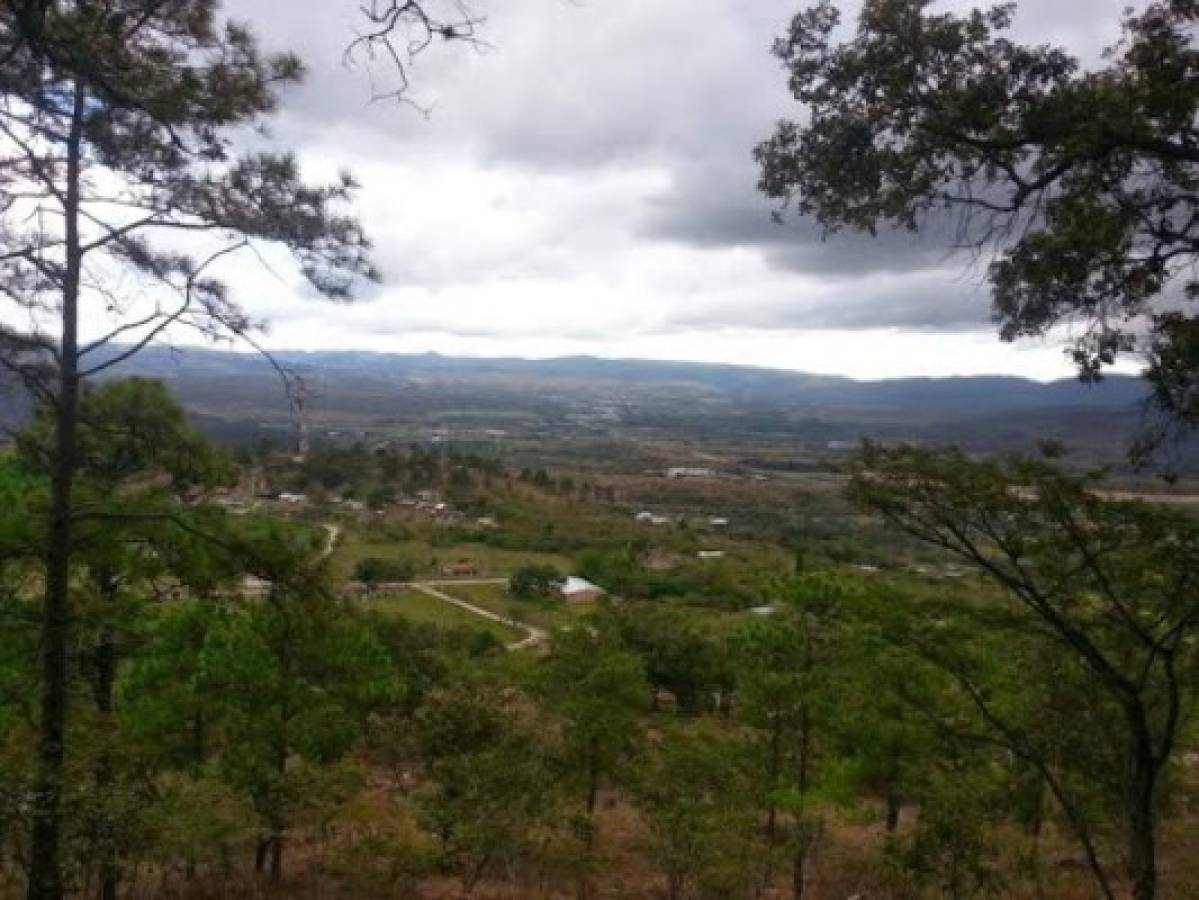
(689, 472)
(649, 518)
(574, 589)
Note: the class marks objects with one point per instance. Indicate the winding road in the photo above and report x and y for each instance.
(534, 635)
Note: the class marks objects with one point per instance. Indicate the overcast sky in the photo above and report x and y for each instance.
(586, 186)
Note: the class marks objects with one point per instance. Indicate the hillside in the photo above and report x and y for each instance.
(368, 391)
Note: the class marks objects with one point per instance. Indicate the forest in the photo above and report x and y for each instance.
(783, 721)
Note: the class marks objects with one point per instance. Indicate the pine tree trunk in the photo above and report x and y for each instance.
(583, 884)
(45, 869)
(773, 768)
(1143, 824)
(276, 845)
(106, 665)
(799, 874)
(805, 839)
(893, 810)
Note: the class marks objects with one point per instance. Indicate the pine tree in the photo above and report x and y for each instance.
(118, 122)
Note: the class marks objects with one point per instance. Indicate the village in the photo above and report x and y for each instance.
(435, 535)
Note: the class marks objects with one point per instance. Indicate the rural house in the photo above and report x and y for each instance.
(574, 589)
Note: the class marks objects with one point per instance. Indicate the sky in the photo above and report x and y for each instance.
(584, 184)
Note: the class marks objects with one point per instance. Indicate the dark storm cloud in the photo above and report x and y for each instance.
(714, 201)
(717, 206)
(940, 300)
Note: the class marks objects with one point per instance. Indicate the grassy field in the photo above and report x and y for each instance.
(494, 598)
(420, 607)
(490, 561)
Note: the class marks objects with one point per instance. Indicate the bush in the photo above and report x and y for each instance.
(374, 570)
(533, 582)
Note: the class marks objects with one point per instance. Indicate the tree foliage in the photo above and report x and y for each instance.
(533, 582)
(1081, 181)
(696, 792)
(1104, 589)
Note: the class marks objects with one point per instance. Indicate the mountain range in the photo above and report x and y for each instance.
(362, 390)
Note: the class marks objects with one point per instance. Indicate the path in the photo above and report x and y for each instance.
(334, 532)
(535, 635)
(450, 582)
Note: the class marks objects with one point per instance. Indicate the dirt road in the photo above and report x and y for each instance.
(534, 635)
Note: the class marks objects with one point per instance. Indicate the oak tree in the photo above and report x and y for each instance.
(1081, 181)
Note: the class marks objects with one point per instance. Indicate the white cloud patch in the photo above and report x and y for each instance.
(587, 186)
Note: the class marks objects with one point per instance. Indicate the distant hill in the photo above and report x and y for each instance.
(976, 393)
(370, 391)
(238, 397)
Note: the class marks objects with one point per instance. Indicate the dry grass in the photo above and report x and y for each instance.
(375, 849)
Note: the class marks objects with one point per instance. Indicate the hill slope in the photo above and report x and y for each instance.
(371, 391)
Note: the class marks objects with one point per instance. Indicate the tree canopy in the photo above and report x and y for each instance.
(1081, 182)
(1102, 594)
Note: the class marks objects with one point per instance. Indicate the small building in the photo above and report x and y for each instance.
(231, 505)
(460, 570)
(718, 522)
(390, 587)
(293, 499)
(574, 589)
(253, 586)
(649, 518)
(762, 611)
(689, 472)
(710, 554)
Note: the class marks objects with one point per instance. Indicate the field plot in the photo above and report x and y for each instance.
(420, 607)
(427, 558)
(495, 598)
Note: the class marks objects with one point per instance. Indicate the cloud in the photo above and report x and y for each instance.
(587, 183)
(936, 301)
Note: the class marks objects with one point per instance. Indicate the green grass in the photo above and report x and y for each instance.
(490, 561)
(497, 562)
(351, 549)
(495, 598)
(420, 607)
